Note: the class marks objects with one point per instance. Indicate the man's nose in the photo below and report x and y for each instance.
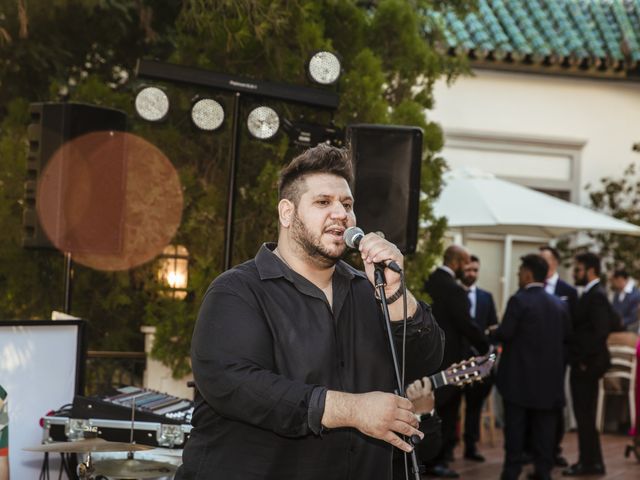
(339, 211)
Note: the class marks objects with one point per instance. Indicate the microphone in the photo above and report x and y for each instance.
(354, 235)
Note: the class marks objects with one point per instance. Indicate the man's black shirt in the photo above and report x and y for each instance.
(266, 348)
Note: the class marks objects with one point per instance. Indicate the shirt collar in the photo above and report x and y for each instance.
(628, 288)
(553, 280)
(534, 285)
(591, 284)
(270, 266)
(472, 288)
(448, 270)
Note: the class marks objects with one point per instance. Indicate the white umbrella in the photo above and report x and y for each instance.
(474, 201)
(478, 202)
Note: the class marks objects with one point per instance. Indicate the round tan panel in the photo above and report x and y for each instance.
(111, 199)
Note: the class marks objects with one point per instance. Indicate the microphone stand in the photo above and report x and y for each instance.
(380, 282)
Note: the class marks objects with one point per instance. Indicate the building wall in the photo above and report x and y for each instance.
(553, 133)
(600, 119)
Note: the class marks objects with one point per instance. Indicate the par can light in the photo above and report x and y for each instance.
(152, 104)
(263, 122)
(207, 114)
(324, 68)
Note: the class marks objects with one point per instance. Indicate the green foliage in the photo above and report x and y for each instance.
(620, 198)
(390, 57)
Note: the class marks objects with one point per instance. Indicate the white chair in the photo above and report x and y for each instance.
(620, 379)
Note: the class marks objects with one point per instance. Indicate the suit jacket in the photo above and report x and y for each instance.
(591, 326)
(627, 309)
(485, 314)
(451, 310)
(567, 293)
(533, 332)
(485, 310)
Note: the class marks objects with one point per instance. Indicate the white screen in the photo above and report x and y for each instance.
(38, 370)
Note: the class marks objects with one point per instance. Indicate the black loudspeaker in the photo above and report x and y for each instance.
(387, 163)
(53, 124)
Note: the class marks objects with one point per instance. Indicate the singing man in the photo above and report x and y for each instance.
(292, 366)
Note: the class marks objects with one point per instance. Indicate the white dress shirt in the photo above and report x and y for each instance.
(550, 284)
(472, 293)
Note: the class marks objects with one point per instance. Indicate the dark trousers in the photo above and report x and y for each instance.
(474, 397)
(447, 407)
(542, 426)
(584, 393)
(560, 426)
(559, 432)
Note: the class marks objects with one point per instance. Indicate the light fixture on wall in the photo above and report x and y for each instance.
(173, 272)
(152, 104)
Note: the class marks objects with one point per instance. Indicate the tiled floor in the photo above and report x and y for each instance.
(613, 448)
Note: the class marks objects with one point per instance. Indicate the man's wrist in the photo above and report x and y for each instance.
(338, 409)
(393, 296)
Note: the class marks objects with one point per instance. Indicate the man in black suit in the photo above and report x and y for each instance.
(450, 307)
(483, 314)
(530, 374)
(589, 359)
(554, 285)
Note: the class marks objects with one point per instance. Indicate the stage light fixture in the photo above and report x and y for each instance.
(324, 68)
(263, 122)
(152, 104)
(207, 114)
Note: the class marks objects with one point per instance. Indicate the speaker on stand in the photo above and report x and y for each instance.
(387, 163)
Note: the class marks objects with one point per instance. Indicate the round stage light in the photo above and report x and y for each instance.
(207, 114)
(324, 68)
(152, 104)
(263, 122)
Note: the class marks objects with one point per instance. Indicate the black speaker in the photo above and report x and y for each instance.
(387, 163)
(53, 124)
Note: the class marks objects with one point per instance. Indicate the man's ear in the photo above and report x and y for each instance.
(286, 209)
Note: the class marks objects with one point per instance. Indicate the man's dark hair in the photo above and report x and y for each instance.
(552, 250)
(474, 259)
(621, 273)
(589, 260)
(320, 159)
(537, 265)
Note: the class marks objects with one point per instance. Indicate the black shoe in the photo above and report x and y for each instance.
(537, 476)
(473, 456)
(560, 461)
(442, 472)
(578, 469)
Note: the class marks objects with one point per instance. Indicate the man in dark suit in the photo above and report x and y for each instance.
(483, 313)
(589, 359)
(530, 374)
(626, 299)
(554, 285)
(450, 307)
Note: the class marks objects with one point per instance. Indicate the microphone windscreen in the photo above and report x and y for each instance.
(352, 236)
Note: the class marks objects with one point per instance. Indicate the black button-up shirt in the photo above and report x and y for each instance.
(266, 347)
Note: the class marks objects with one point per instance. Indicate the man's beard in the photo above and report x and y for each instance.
(580, 281)
(311, 245)
(467, 282)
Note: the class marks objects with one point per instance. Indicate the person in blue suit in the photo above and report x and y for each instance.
(626, 299)
(554, 285)
(530, 375)
(482, 309)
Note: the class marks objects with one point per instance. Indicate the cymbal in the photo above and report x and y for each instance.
(89, 445)
(133, 468)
